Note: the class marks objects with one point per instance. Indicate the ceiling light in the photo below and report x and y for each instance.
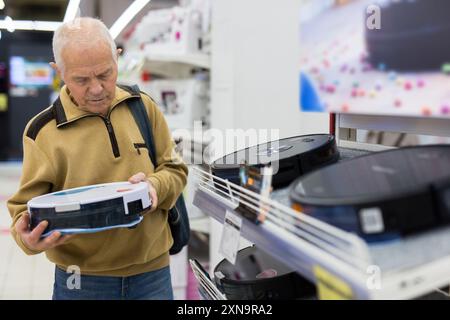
(46, 25)
(72, 10)
(126, 17)
(11, 25)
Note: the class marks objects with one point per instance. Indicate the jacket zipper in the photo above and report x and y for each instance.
(112, 137)
(96, 115)
(138, 146)
(109, 126)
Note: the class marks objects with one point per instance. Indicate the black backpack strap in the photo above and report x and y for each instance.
(140, 115)
(177, 216)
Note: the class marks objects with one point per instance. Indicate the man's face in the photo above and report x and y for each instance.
(91, 75)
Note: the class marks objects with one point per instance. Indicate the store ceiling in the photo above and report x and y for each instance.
(54, 10)
(45, 10)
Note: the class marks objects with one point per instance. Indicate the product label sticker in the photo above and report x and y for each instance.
(330, 287)
(231, 234)
(371, 220)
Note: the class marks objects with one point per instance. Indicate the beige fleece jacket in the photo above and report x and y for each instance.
(65, 147)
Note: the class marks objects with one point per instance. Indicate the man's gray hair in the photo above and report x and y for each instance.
(81, 31)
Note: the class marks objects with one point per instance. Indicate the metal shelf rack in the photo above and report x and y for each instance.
(401, 269)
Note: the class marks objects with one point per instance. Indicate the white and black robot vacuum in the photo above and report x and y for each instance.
(380, 196)
(293, 157)
(91, 208)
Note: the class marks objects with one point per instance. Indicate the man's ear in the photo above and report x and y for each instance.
(55, 67)
(118, 52)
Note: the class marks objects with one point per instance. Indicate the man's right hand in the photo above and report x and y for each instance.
(32, 239)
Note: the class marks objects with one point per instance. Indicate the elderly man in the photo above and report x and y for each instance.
(89, 136)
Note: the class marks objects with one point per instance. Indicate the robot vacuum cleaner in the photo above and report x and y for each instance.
(293, 157)
(380, 196)
(91, 208)
(412, 36)
(258, 276)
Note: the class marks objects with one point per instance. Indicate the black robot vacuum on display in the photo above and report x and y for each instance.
(258, 276)
(293, 157)
(382, 195)
(413, 35)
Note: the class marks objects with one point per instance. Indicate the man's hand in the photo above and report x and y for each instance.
(32, 239)
(138, 177)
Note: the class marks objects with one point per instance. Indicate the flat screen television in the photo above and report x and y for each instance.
(375, 57)
(30, 72)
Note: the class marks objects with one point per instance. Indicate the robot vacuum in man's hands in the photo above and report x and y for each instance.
(91, 208)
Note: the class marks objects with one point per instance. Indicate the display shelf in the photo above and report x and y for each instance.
(175, 65)
(200, 60)
(167, 65)
(207, 288)
(200, 224)
(400, 269)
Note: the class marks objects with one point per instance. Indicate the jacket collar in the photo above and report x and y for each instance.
(67, 111)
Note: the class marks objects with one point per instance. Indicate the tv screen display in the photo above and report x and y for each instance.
(375, 57)
(30, 72)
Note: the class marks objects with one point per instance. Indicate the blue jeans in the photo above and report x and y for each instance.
(153, 285)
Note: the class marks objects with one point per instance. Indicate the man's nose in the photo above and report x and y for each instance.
(95, 88)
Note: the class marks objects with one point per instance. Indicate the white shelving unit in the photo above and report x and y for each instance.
(175, 65)
(172, 66)
(199, 60)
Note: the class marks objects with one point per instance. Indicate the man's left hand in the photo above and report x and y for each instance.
(139, 177)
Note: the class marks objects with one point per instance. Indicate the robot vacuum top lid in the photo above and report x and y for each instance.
(374, 177)
(89, 194)
(273, 151)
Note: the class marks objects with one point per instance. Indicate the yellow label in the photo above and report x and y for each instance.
(3, 102)
(330, 287)
(297, 207)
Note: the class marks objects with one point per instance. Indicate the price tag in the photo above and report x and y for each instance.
(330, 287)
(231, 234)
